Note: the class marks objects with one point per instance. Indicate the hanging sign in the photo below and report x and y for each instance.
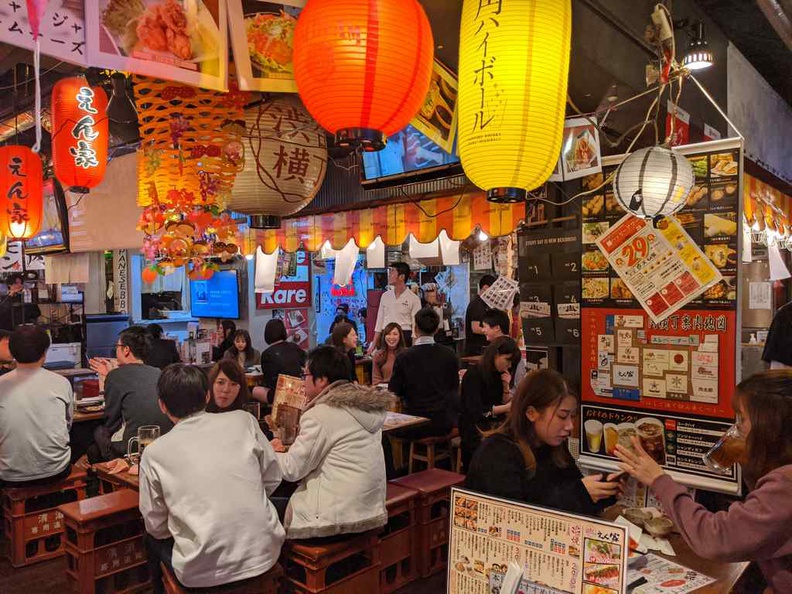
(437, 118)
(681, 125)
(292, 291)
(580, 150)
(61, 30)
(121, 280)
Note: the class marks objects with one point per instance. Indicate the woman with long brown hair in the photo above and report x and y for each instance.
(344, 338)
(759, 528)
(391, 342)
(227, 387)
(526, 457)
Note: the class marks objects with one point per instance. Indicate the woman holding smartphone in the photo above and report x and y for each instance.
(526, 458)
(760, 527)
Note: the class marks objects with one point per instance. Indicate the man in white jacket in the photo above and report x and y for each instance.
(204, 489)
(337, 456)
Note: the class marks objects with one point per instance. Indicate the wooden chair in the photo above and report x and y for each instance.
(456, 446)
(32, 526)
(434, 504)
(431, 450)
(398, 539)
(347, 564)
(104, 544)
(267, 583)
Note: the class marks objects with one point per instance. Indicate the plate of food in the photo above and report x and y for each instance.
(719, 225)
(602, 574)
(620, 290)
(270, 40)
(594, 261)
(697, 194)
(592, 231)
(593, 206)
(595, 288)
(722, 255)
(724, 165)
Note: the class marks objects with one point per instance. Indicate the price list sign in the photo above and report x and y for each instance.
(549, 267)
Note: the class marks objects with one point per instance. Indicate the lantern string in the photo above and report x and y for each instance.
(37, 108)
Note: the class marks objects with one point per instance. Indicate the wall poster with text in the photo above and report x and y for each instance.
(659, 341)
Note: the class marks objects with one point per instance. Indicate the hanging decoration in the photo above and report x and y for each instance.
(21, 192)
(191, 152)
(285, 161)
(653, 182)
(513, 69)
(80, 134)
(3, 245)
(363, 67)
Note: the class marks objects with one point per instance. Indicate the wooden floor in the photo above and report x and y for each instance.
(50, 578)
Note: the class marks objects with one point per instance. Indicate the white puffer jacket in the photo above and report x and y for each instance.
(338, 458)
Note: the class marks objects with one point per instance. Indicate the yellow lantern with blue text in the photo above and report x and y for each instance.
(513, 68)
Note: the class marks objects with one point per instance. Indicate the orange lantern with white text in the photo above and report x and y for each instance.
(363, 67)
(21, 194)
(80, 133)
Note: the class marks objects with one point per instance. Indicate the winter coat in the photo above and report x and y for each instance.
(338, 459)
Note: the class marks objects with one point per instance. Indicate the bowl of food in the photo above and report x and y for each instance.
(636, 515)
(659, 527)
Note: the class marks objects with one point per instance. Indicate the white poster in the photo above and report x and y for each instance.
(760, 295)
(62, 29)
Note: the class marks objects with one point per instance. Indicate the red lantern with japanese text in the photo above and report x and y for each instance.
(21, 194)
(80, 133)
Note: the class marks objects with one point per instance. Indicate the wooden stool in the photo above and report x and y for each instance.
(398, 539)
(267, 583)
(33, 527)
(431, 450)
(348, 564)
(434, 504)
(104, 544)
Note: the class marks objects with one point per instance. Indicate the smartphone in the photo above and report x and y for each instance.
(615, 478)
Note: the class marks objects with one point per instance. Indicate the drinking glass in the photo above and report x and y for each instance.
(728, 451)
(146, 434)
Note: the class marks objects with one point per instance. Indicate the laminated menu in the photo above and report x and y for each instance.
(559, 553)
(664, 577)
(662, 267)
(289, 391)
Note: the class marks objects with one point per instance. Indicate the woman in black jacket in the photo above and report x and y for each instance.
(526, 458)
(485, 393)
(344, 338)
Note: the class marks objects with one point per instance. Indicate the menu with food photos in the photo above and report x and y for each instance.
(663, 576)
(289, 391)
(559, 553)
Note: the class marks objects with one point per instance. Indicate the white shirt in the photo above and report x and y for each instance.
(36, 408)
(401, 309)
(206, 483)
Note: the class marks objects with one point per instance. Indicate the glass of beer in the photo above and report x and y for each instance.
(611, 438)
(146, 434)
(728, 451)
(593, 430)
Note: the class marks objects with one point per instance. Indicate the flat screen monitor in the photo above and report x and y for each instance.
(408, 156)
(53, 235)
(217, 297)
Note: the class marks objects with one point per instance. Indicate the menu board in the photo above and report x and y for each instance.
(659, 321)
(289, 391)
(549, 271)
(559, 553)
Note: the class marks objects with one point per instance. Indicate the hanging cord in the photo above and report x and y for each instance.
(37, 110)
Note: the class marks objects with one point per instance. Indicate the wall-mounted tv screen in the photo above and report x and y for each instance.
(217, 297)
(408, 154)
(53, 235)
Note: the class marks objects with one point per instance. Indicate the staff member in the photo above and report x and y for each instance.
(778, 346)
(398, 305)
(13, 310)
(475, 340)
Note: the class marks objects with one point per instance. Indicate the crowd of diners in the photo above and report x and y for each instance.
(219, 494)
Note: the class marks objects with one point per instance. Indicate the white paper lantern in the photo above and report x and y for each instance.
(653, 182)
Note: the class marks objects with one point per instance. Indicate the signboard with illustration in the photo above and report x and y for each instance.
(559, 553)
(293, 288)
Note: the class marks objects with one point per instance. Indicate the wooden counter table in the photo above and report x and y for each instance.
(119, 480)
(82, 417)
(725, 574)
(395, 420)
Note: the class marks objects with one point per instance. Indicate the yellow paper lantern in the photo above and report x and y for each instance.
(513, 68)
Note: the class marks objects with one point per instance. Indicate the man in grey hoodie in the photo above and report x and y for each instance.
(337, 456)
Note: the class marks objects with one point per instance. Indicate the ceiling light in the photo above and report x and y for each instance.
(482, 236)
(249, 257)
(698, 55)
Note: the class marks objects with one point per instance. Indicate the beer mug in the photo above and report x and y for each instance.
(146, 434)
(727, 452)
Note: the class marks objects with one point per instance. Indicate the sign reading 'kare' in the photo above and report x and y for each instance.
(290, 291)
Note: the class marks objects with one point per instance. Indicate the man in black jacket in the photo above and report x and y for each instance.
(426, 378)
(13, 310)
(163, 352)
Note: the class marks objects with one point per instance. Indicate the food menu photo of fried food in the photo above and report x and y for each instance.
(724, 165)
(612, 205)
(723, 193)
(722, 255)
(723, 290)
(594, 589)
(270, 41)
(593, 207)
(620, 290)
(697, 194)
(152, 29)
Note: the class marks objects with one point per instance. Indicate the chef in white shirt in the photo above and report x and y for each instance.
(399, 305)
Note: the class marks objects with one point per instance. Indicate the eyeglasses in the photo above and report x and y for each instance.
(306, 375)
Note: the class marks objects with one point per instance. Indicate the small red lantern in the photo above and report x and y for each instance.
(21, 194)
(149, 274)
(363, 67)
(80, 133)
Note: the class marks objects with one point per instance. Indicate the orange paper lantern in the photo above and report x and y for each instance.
(21, 194)
(363, 67)
(80, 133)
(149, 274)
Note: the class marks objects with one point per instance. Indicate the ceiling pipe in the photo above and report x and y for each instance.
(779, 19)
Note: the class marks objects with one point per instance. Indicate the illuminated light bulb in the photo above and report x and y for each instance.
(482, 236)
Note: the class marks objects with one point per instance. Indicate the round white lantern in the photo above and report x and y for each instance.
(653, 182)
